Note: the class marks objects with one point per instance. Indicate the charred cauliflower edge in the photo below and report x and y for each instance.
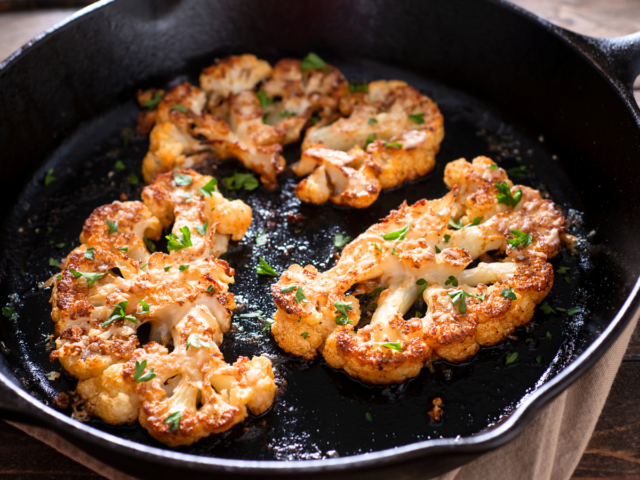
(422, 251)
(357, 143)
(112, 284)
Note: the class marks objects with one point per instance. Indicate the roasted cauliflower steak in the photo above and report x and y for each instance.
(112, 284)
(423, 251)
(389, 135)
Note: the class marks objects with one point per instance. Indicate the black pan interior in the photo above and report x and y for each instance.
(318, 412)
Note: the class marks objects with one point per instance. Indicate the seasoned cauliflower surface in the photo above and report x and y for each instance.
(112, 284)
(400, 131)
(245, 109)
(423, 251)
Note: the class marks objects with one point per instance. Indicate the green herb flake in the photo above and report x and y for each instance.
(437, 249)
(202, 229)
(474, 223)
(210, 289)
(340, 240)
(49, 178)
(91, 277)
(361, 87)
(53, 262)
(455, 225)
(9, 312)
(567, 279)
(179, 242)
(89, 253)
(342, 317)
(504, 196)
(181, 179)
(392, 144)
(267, 325)
(209, 188)
(573, 311)
(261, 239)
(146, 308)
(521, 239)
(459, 297)
(370, 139)
(139, 370)
(372, 120)
(549, 336)
(113, 226)
(539, 360)
(153, 103)
(119, 165)
(304, 335)
(493, 166)
(263, 268)
(452, 281)
(546, 308)
(300, 297)
(264, 99)
(119, 313)
(179, 107)
(286, 113)
(508, 293)
(149, 243)
(133, 179)
(513, 358)
(242, 180)
(398, 234)
(313, 61)
(563, 270)
(173, 420)
(378, 247)
(195, 342)
(423, 286)
(288, 289)
(417, 118)
(447, 237)
(182, 268)
(397, 346)
(369, 417)
(166, 268)
(143, 266)
(518, 172)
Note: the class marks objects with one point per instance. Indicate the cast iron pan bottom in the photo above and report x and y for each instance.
(318, 412)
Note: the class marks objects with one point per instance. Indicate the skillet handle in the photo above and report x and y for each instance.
(619, 56)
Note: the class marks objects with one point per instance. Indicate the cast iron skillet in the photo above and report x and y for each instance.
(534, 95)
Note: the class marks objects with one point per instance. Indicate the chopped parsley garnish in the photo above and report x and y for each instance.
(153, 103)
(447, 237)
(267, 325)
(179, 107)
(181, 179)
(368, 416)
(505, 195)
(452, 281)
(138, 373)
(476, 221)
(459, 297)
(372, 120)
(508, 293)
(398, 234)
(9, 312)
(119, 165)
(179, 242)
(304, 335)
(166, 268)
(539, 360)
(89, 252)
(133, 179)
(264, 99)
(202, 229)
(300, 297)
(522, 238)
(49, 178)
(355, 87)
(567, 279)
(149, 243)
(547, 309)
(195, 342)
(392, 144)
(173, 420)
(417, 118)
(455, 225)
(340, 240)
(378, 247)
(242, 180)
(91, 277)
(288, 289)
(423, 286)
(313, 61)
(393, 251)
(182, 268)
(187, 198)
(549, 335)
(560, 309)
(53, 262)
(563, 270)
(397, 346)
(518, 172)
(119, 312)
(146, 308)
(418, 315)
(287, 113)
(370, 139)
(209, 188)
(113, 226)
(437, 249)
(261, 239)
(513, 358)
(493, 166)
(573, 311)
(263, 268)
(341, 310)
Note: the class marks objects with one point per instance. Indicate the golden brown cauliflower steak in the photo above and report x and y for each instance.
(416, 251)
(112, 284)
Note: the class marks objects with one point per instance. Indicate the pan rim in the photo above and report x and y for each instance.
(476, 444)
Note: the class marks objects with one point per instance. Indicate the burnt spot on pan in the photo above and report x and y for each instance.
(318, 412)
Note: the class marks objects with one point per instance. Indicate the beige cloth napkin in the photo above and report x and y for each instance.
(550, 447)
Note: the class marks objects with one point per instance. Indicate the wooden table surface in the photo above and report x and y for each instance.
(614, 450)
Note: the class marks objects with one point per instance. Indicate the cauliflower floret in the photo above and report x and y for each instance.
(112, 284)
(415, 252)
(400, 129)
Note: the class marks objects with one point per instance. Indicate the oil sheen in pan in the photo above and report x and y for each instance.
(318, 412)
